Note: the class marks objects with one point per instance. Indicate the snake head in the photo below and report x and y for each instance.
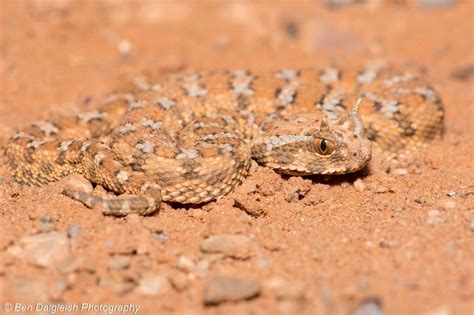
(306, 144)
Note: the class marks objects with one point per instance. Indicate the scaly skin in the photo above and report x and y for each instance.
(190, 138)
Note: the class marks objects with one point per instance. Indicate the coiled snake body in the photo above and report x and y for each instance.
(190, 138)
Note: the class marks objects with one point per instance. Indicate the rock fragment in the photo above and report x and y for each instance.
(230, 245)
(153, 285)
(369, 306)
(359, 185)
(252, 207)
(435, 217)
(178, 280)
(229, 289)
(119, 262)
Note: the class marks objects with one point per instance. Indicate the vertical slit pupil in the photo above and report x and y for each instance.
(323, 145)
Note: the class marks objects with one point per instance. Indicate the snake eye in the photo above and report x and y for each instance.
(323, 146)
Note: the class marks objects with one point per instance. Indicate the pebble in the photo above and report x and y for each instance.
(120, 287)
(124, 47)
(44, 250)
(57, 290)
(153, 285)
(339, 2)
(359, 184)
(449, 204)
(252, 208)
(73, 230)
(463, 74)
(369, 306)
(435, 217)
(202, 268)
(389, 243)
(451, 193)
(186, 264)
(400, 171)
(284, 290)
(231, 245)
(436, 3)
(229, 289)
(119, 262)
(471, 226)
(161, 237)
(442, 310)
(178, 280)
(47, 224)
(379, 189)
(262, 261)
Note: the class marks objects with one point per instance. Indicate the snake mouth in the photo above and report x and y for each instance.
(330, 172)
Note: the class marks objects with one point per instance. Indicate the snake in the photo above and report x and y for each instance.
(189, 137)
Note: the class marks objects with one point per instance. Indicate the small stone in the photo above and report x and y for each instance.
(124, 47)
(229, 289)
(44, 250)
(451, 193)
(178, 280)
(369, 306)
(57, 290)
(119, 262)
(389, 243)
(262, 261)
(73, 230)
(161, 237)
(379, 189)
(186, 264)
(120, 287)
(284, 290)
(359, 184)
(471, 226)
(436, 3)
(435, 217)
(442, 310)
(202, 268)
(463, 74)
(153, 285)
(47, 224)
(231, 245)
(449, 204)
(400, 171)
(251, 207)
(339, 2)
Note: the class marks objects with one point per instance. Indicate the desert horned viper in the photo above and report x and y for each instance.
(190, 138)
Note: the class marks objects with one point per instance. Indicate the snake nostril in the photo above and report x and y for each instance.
(354, 154)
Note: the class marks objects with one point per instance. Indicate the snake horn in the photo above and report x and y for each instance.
(358, 126)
